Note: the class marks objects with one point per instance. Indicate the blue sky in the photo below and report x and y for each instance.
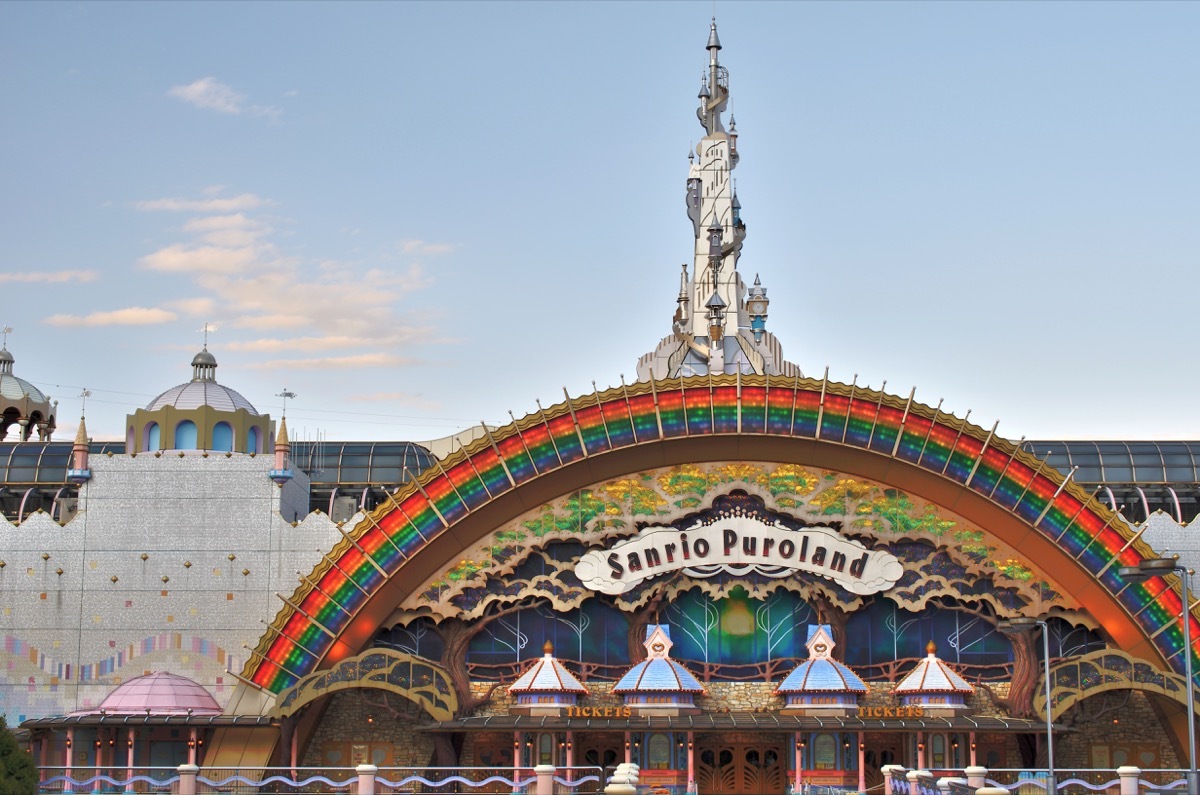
(418, 216)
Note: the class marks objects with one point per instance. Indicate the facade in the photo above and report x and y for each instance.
(734, 575)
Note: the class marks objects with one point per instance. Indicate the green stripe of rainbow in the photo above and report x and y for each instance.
(592, 425)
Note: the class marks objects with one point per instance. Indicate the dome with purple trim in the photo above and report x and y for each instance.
(202, 390)
(934, 686)
(547, 687)
(658, 685)
(821, 685)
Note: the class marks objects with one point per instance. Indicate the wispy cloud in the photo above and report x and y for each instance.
(329, 342)
(179, 258)
(195, 307)
(325, 313)
(353, 361)
(130, 316)
(423, 247)
(52, 277)
(398, 398)
(208, 93)
(230, 204)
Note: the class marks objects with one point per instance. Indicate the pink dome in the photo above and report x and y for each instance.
(159, 693)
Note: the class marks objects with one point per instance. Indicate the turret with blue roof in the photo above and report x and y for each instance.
(547, 688)
(658, 685)
(935, 687)
(821, 686)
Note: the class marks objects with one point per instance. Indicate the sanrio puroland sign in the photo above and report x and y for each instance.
(738, 545)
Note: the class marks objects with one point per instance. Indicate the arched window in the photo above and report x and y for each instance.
(185, 435)
(222, 438)
(938, 746)
(151, 437)
(825, 755)
(658, 752)
(252, 440)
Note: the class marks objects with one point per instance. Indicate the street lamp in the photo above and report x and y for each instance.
(1160, 567)
(1026, 622)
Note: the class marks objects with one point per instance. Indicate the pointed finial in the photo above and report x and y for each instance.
(286, 395)
(704, 92)
(931, 648)
(757, 282)
(548, 648)
(282, 437)
(714, 43)
(732, 124)
(81, 437)
(207, 328)
(691, 155)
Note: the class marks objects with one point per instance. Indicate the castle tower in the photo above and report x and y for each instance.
(715, 328)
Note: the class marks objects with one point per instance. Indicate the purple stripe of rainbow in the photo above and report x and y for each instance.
(702, 407)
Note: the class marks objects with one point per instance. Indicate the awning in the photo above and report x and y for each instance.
(149, 720)
(738, 721)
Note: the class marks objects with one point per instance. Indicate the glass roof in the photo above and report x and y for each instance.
(1123, 463)
(340, 463)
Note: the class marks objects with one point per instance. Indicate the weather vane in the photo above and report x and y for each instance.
(207, 328)
(83, 396)
(285, 394)
(6, 331)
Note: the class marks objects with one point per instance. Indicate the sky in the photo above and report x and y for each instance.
(417, 216)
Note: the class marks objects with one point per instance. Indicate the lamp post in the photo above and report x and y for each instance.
(1159, 567)
(1026, 622)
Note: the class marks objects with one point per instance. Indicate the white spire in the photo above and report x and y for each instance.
(713, 329)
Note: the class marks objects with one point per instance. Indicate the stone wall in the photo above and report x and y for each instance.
(379, 727)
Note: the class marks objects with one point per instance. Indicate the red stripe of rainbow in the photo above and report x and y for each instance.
(701, 406)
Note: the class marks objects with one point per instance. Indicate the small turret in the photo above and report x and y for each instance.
(79, 471)
(714, 43)
(756, 306)
(683, 313)
(716, 318)
(282, 472)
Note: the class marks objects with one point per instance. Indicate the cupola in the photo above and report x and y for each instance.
(821, 686)
(546, 688)
(934, 686)
(24, 409)
(658, 685)
(199, 415)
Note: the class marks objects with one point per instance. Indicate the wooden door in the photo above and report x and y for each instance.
(741, 768)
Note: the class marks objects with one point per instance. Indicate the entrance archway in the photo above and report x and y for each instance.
(945, 460)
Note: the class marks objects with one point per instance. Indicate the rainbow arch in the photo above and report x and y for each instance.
(582, 440)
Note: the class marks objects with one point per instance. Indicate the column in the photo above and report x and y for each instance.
(366, 779)
(691, 777)
(192, 746)
(129, 739)
(920, 750)
(68, 759)
(974, 761)
(570, 755)
(799, 777)
(1129, 779)
(187, 779)
(628, 748)
(862, 762)
(516, 760)
(99, 755)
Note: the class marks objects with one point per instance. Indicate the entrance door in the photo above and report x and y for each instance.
(741, 768)
(599, 749)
